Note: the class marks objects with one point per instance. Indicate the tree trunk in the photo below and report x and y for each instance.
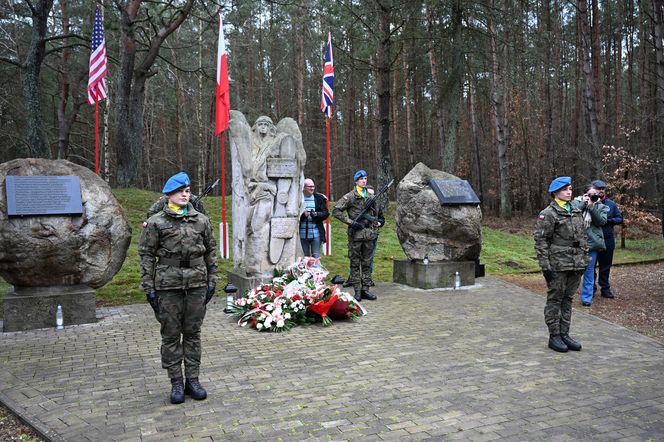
(37, 137)
(500, 124)
(435, 92)
(453, 89)
(301, 67)
(475, 134)
(385, 170)
(592, 127)
(131, 88)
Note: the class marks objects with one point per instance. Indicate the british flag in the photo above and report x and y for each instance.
(97, 76)
(327, 96)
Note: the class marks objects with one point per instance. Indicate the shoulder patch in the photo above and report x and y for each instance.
(541, 216)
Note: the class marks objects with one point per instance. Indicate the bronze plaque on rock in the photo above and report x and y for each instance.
(43, 195)
(454, 192)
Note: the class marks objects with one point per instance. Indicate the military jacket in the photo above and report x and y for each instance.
(174, 236)
(349, 207)
(560, 239)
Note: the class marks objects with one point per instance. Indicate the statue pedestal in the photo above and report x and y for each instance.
(437, 274)
(27, 308)
(244, 282)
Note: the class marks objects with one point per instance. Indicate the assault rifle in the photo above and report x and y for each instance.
(196, 201)
(357, 223)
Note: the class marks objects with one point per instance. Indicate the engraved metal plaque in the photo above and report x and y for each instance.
(282, 168)
(284, 228)
(43, 195)
(454, 192)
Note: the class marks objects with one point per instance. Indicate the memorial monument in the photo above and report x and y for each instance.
(438, 222)
(268, 174)
(62, 235)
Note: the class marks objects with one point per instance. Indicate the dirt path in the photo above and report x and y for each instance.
(639, 301)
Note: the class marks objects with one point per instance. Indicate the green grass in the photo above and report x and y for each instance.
(503, 253)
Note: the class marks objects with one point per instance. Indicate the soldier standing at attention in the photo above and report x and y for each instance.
(178, 274)
(562, 252)
(361, 235)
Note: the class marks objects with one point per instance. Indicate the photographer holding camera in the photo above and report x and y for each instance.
(594, 217)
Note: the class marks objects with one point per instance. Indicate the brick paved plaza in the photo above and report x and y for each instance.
(470, 364)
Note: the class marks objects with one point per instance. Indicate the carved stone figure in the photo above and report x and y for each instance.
(268, 165)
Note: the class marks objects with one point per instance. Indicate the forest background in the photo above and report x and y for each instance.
(504, 93)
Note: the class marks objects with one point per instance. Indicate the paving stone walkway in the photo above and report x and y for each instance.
(470, 364)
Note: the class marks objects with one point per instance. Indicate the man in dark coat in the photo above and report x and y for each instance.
(605, 257)
(312, 231)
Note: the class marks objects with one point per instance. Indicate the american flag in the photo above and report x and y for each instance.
(327, 96)
(97, 77)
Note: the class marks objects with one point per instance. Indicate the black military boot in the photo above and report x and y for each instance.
(607, 294)
(177, 391)
(358, 294)
(367, 295)
(556, 343)
(193, 388)
(571, 343)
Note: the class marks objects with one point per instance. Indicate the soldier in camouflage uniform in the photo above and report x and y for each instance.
(178, 274)
(361, 235)
(562, 252)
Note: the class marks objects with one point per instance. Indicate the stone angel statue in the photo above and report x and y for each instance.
(268, 174)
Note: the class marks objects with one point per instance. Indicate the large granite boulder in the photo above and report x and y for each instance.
(425, 227)
(38, 251)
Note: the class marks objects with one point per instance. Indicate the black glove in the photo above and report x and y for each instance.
(154, 303)
(312, 214)
(355, 225)
(548, 275)
(209, 294)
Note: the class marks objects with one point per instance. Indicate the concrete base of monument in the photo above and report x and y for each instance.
(244, 282)
(28, 308)
(437, 274)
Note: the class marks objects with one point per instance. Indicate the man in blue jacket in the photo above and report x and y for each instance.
(605, 258)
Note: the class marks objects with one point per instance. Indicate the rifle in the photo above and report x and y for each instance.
(195, 202)
(371, 202)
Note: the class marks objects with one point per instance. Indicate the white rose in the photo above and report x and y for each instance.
(287, 316)
(280, 323)
(259, 326)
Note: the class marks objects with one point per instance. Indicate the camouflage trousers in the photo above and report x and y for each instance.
(360, 253)
(181, 314)
(559, 296)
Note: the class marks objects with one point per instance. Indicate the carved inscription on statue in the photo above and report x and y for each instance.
(282, 168)
(454, 192)
(43, 195)
(284, 228)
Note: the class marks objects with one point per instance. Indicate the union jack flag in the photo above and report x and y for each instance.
(97, 76)
(327, 96)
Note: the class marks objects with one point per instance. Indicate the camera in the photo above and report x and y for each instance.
(594, 198)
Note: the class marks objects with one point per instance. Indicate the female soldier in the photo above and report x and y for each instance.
(561, 246)
(178, 274)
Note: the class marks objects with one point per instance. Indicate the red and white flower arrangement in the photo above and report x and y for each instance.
(296, 296)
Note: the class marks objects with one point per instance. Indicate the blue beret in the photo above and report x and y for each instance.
(176, 182)
(559, 183)
(599, 184)
(359, 174)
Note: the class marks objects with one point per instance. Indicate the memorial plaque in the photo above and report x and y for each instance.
(43, 195)
(282, 168)
(284, 228)
(454, 192)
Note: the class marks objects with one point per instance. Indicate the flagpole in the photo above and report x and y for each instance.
(224, 233)
(96, 135)
(327, 185)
